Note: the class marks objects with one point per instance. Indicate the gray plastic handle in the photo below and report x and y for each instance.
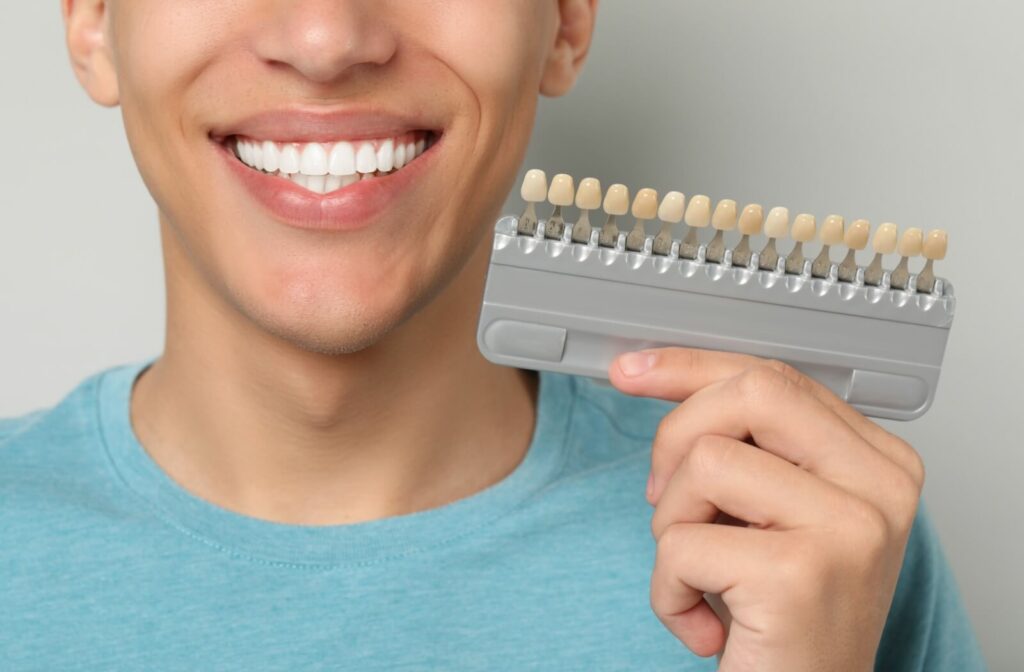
(573, 307)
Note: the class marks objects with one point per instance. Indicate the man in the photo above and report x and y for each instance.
(321, 472)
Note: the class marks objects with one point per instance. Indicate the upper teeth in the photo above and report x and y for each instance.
(324, 167)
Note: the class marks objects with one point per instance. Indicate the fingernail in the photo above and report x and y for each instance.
(650, 486)
(636, 363)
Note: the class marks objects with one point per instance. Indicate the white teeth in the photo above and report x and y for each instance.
(366, 159)
(343, 159)
(270, 157)
(257, 155)
(288, 163)
(386, 156)
(326, 167)
(314, 160)
(317, 183)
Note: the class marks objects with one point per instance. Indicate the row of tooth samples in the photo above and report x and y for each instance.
(698, 215)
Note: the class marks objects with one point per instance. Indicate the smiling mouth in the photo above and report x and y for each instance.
(326, 167)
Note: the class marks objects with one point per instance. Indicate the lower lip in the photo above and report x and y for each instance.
(350, 208)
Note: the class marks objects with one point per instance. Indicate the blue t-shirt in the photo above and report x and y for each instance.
(108, 564)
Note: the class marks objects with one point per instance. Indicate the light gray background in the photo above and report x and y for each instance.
(910, 111)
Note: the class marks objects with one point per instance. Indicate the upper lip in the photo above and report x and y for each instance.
(316, 125)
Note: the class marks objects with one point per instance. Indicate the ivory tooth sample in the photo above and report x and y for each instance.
(645, 206)
(534, 190)
(588, 197)
(883, 243)
(856, 238)
(723, 219)
(616, 204)
(909, 246)
(934, 249)
(751, 221)
(775, 227)
(831, 234)
(560, 194)
(698, 216)
(670, 212)
(804, 228)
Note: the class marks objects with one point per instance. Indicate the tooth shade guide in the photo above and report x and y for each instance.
(588, 197)
(616, 204)
(670, 212)
(933, 249)
(750, 223)
(561, 193)
(645, 206)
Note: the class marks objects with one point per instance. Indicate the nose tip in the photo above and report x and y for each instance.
(324, 39)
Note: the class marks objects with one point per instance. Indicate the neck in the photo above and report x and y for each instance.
(254, 424)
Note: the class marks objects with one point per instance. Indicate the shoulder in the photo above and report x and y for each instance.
(51, 449)
(607, 428)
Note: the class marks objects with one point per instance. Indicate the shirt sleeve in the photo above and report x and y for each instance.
(927, 628)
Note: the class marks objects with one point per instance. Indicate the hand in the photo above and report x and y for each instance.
(818, 501)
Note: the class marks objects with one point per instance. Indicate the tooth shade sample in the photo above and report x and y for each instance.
(724, 218)
(616, 201)
(645, 205)
(562, 190)
(672, 207)
(804, 228)
(752, 220)
(856, 237)
(777, 224)
(588, 196)
(911, 242)
(885, 239)
(535, 186)
(698, 213)
(935, 245)
(832, 230)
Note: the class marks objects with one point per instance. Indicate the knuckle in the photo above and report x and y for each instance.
(762, 383)
(708, 456)
(785, 370)
(870, 528)
(671, 544)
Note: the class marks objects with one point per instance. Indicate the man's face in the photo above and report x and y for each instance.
(336, 86)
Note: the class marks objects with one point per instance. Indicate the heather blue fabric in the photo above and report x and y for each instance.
(108, 564)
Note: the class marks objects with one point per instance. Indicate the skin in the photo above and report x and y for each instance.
(323, 378)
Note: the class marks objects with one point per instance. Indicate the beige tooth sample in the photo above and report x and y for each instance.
(723, 219)
(561, 194)
(588, 197)
(883, 243)
(804, 228)
(645, 207)
(832, 230)
(856, 239)
(670, 212)
(616, 204)
(909, 246)
(751, 222)
(934, 249)
(698, 216)
(534, 190)
(775, 226)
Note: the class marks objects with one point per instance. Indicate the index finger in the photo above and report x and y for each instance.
(676, 373)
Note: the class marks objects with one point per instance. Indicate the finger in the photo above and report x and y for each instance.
(781, 418)
(723, 475)
(697, 558)
(675, 374)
